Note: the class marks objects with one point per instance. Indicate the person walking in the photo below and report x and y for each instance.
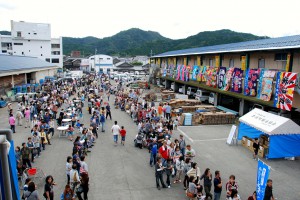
(217, 185)
(123, 135)
(115, 129)
(108, 111)
(102, 122)
(27, 118)
(19, 116)
(12, 122)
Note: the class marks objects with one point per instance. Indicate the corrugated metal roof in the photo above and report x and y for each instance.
(287, 42)
(15, 63)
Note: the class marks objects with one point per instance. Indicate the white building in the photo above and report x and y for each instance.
(33, 39)
(101, 64)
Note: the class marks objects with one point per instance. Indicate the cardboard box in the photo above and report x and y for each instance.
(244, 141)
(261, 153)
(250, 145)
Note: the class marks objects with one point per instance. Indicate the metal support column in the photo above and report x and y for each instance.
(241, 108)
(5, 168)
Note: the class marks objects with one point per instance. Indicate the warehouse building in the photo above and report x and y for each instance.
(20, 70)
(275, 54)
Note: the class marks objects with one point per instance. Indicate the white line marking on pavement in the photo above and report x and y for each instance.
(185, 135)
(208, 140)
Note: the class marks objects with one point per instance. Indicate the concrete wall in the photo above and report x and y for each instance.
(41, 74)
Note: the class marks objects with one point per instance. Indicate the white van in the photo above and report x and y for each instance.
(191, 91)
(202, 95)
(211, 98)
(172, 86)
(120, 77)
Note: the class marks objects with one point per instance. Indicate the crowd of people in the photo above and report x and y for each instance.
(41, 116)
(173, 159)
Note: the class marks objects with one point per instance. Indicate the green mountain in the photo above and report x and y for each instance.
(138, 42)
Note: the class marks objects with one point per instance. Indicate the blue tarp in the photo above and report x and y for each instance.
(280, 146)
(284, 146)
(250, 132)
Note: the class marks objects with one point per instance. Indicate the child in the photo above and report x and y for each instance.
(175, 124)
(70, 132)
(123, 135)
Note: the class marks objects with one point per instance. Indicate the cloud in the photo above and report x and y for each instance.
(7, 6)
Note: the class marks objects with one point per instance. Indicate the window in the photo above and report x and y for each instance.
(19, 44)
(22, 52)
(28, 33)
(29, 50)
(281, 60)
(19, 34)
(41, 47)
(41, 54)
(211, 62)
(28, 40)
(34, 33)
(47, 59)
(280, 56)
(261, 63)
(4, 51)
(231, 62)
(55, 60)
(55, 45)
(55, 52)
(108, 58)
(101, 58)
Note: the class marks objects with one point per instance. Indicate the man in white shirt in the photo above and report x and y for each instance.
(115, 129)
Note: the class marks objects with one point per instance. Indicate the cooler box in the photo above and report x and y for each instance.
(188, 119)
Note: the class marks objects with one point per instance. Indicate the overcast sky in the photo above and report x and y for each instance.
(171, 18)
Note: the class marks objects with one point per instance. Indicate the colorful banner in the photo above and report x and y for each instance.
(236, 84)
(251, 80)
(221, 77)
(285, 85)
(201, 76)
(264, 91)
(211, 76)
(228, 79)
(195, 73)
(178, 71)
(263, 171)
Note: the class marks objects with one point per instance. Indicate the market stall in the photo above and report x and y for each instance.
(283, 134)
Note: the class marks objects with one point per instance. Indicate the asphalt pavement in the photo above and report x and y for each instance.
(123, 172)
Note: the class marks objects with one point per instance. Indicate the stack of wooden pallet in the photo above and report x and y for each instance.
(210, 118)
(176, 103)
(151, 96)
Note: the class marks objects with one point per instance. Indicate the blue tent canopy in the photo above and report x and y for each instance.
(284, 134)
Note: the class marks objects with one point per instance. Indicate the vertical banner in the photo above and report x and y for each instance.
(221, 77)
(250, 84)
(263, 171)
(217, 61)
(243, 62)
(195, 73)
(288, 61)
(236, 84)
(285, 86)
(228, 79)
(185, 61)
(198, 60)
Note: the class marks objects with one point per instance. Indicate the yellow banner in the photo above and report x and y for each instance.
(243, 62)
(217, 61)
(288, 60)
(198, 60)
(185, 61)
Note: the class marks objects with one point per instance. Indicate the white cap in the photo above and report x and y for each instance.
(34, 115)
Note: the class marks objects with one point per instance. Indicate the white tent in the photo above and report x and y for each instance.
(284, 134)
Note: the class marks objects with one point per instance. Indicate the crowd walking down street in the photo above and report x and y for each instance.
(75, 135)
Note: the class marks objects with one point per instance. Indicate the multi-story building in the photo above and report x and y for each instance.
(32, 39)
(101, 64)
